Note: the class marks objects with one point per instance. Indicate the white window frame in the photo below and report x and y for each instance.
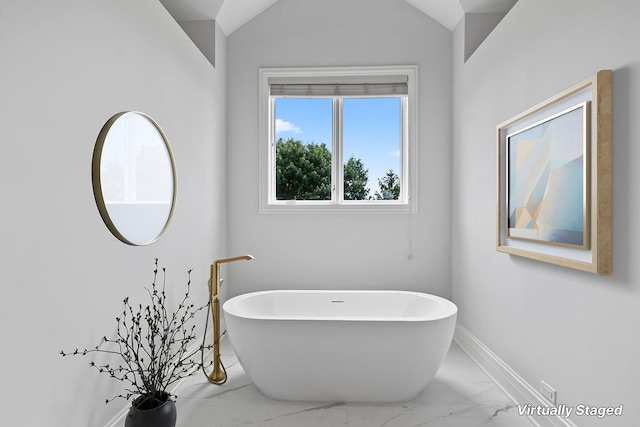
(407, 201)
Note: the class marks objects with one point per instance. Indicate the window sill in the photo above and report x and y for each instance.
(301, 207)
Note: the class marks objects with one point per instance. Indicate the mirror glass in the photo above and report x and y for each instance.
(134, 178)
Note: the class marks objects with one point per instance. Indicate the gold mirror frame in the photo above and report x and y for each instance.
(96, 177)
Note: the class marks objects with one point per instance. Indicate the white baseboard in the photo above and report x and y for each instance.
(514, 386)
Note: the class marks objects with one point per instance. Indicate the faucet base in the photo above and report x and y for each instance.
(218, 377)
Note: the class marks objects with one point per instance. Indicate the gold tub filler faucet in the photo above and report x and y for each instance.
(219, 374)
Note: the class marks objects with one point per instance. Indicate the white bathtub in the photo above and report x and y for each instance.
(340, 346)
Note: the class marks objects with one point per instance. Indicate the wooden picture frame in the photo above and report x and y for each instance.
(554, 167)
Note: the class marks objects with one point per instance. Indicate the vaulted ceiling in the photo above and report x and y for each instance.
(232, 14)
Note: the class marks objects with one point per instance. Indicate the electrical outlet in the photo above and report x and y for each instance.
(548, 392)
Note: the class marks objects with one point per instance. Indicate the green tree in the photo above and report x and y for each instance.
(303, 171)
(355, 180)
(389, 187)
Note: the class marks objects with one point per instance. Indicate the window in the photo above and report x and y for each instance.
(338, 139)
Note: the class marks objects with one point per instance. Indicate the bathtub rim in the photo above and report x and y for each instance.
(450, 309)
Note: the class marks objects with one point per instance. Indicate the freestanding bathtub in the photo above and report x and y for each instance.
(340, 346)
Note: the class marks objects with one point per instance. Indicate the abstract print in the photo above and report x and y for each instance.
(546, 180)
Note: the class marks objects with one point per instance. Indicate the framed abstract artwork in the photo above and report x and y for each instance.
(547, 186)
(554, 179)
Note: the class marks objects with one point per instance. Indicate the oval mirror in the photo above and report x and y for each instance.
(134, 178)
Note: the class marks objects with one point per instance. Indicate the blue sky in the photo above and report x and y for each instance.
(371, 129)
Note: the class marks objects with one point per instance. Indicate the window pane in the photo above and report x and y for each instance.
(371, 148)
(303, 129)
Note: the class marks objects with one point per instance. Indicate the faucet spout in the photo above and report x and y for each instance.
(232, 259)
(219, 374)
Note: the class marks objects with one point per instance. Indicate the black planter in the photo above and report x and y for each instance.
(164, 415)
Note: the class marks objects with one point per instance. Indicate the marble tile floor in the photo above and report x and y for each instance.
(460, 395)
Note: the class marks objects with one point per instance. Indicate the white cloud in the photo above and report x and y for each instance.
(395, 153)
(282, 126)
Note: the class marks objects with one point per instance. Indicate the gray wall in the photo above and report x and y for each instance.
(576, 331)
(341, 250)
(67, 66)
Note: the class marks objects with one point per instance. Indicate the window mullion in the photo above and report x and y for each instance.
(338, 169)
